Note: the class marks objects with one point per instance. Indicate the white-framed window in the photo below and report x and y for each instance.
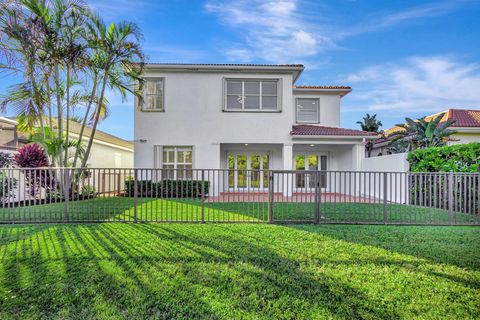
(154, 95)
(252, 95)
(177, 161)
(308, 110)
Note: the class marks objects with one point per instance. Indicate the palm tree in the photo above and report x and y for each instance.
(118, 62)
(370, 124)
(421, 133)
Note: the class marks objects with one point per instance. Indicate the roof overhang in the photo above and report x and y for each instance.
(8, 121)
(348, 137)
(311, 90)
(466, 129)
(295, 69)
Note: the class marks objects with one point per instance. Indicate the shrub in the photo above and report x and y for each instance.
(461, 158)
(6, 160)
(33, 156)
(168, 188)
(7, 187)
(456, 158)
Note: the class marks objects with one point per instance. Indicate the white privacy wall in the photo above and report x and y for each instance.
(387, 163)
(396, 167)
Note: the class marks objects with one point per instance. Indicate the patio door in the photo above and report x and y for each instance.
(306, 181)
(248, 171)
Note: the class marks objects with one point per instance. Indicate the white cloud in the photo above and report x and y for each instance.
(419, 84)
(283, 31)
(274, 31)
(121, 9)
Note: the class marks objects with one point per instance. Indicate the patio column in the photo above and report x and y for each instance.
(287, 165)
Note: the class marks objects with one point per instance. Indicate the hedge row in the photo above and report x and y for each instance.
(456, 158)
(168, 188)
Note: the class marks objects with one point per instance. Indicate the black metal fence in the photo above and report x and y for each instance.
(58, 195)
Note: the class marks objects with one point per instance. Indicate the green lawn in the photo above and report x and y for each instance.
(122, 209)
(225, 271)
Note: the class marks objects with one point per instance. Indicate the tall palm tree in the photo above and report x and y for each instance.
(370, 124)
(423, 133)
(120, 62)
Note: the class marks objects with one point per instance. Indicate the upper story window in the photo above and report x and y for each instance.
(251, 95)
(308, 110)
(153, 95)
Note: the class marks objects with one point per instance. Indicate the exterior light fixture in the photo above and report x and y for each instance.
(246, 144)
(312, 145)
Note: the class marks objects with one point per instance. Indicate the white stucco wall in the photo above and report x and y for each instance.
(194, 116)
(106, 156)
(387, 163)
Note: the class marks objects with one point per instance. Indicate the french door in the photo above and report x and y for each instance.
(248, 170)
(306, 181)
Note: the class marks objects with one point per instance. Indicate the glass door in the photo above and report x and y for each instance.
(247, 171)
(310, 163)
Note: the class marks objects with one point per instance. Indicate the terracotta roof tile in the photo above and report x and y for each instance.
(313, 130)
(462, 117)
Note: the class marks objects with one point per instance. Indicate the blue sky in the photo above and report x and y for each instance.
(402, 58)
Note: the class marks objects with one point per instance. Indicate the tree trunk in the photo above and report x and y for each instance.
(84, 122)
(97, 118)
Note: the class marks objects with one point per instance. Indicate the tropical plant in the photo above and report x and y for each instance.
(423, 133)
(67, 58)
(370, 123)
(56, 147)
(118, 62)
(31, 157)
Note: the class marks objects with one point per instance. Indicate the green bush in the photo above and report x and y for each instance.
(168, 188)
(456, 158)
(435, 189)
(7, 187)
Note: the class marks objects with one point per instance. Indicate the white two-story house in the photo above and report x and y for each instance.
(241, 116)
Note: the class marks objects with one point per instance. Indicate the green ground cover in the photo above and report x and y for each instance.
(225, 271)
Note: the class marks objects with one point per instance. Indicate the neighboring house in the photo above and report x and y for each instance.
(8, 135)
(242, 116)
(467, 125)
(108, 151)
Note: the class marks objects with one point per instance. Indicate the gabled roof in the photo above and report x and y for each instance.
(314, 130)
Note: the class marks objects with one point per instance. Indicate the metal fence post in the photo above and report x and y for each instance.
(385, 191)
(450, 197)
(317, 198)
(135, 194)
(66, 181)
(270, 196)
(203, 196)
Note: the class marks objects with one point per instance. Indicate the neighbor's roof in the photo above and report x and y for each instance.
(296, 69)
(314, 130)
(75, 128)
(462, 117)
